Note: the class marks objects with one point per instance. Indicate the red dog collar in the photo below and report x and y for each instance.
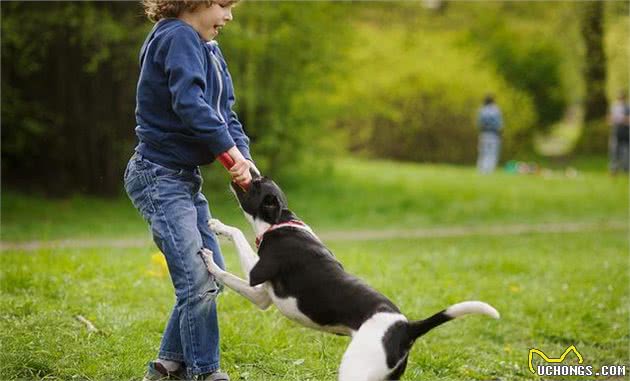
(293, 223)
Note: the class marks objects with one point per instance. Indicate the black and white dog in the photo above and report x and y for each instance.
(297, 273)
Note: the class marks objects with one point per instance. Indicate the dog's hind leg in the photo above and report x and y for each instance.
(257, 294)
(246, 254)
(364, 360)
(367, 357)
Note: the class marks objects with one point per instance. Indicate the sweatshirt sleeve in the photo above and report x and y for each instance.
(185, 69)
(234, 125)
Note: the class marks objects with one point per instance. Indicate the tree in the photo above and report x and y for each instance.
(592, 30)
(70, 71)
(68, 83)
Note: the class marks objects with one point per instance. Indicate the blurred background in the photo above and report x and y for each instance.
(366, 114)
(318, 80)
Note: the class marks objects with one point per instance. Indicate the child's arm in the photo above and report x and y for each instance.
(234, 125)
(186, 73)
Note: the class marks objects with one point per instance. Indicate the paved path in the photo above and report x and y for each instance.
(351, 235)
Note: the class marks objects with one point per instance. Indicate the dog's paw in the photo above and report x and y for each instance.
(219, 228)
(209, 261)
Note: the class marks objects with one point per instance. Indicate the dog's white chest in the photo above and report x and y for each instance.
(289, 308)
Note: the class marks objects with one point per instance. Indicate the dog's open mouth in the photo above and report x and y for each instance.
(241, 195)
(236, 188)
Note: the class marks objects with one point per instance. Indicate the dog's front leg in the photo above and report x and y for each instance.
(257, 294)
(246, 254)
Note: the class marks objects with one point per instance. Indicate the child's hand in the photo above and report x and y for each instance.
(240, 170)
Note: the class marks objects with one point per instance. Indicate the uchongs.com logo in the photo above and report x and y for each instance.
(550, 366)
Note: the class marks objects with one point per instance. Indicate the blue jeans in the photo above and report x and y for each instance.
(489, 148)
(171, 201)
(619, 152)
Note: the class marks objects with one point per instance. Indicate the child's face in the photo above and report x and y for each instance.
(208, 21)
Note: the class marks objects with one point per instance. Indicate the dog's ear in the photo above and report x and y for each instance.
(270, 209)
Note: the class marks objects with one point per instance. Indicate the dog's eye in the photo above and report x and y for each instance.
(269, 200)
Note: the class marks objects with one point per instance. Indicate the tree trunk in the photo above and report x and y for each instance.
(592, 29)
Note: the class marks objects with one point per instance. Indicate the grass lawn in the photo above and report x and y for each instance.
(552, 289)
(371, 195)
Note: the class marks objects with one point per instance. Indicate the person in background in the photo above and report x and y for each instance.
(490, 124)
(619, 120)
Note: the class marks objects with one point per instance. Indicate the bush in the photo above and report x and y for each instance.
(594, 138)
(283, 63)
(417, 99)
(70, 71)
(68, 84)
(529, 61)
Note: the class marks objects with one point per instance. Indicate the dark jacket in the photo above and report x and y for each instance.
(184, 99)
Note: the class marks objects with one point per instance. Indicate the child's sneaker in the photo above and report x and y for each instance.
(217, 375)
(157, 371)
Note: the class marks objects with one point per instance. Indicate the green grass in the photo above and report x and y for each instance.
(371, 195)
(552, 289)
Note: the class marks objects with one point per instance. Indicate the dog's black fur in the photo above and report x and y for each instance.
(297, 264)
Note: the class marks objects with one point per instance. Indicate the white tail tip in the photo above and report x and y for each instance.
(472, 307)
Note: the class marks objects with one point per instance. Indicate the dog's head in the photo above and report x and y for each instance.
(263, 201)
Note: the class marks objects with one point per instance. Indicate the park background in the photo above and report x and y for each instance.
(364, 112)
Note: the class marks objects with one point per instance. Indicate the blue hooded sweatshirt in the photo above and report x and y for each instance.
(184, 99)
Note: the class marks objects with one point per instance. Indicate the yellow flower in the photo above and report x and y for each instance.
(158, 265)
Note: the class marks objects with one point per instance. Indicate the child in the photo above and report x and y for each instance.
(184, 119)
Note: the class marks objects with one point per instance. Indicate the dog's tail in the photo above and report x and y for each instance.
(420, 327)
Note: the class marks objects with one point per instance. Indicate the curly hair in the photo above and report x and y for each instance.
(157, 10)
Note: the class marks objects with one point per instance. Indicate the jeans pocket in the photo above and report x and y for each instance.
(139, 192)
(213, 290)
